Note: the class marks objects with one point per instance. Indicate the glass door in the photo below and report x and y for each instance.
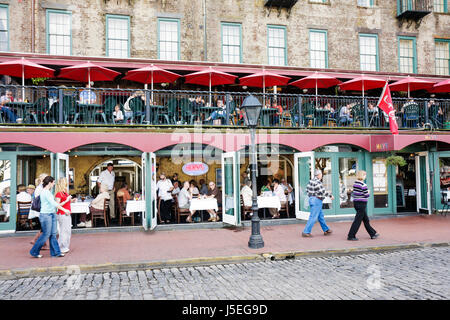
(8, 182)
(423, 182)
(230, 189)
(303, 172)
(61, 166)
(149, 216)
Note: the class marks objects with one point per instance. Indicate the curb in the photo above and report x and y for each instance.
(13, 274)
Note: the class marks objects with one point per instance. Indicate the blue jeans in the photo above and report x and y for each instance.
(315, 205)
(48, 225)
(11, 115)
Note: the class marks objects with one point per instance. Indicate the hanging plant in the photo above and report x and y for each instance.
(394, 160)
(37, 81)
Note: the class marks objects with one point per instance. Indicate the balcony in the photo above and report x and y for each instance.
(413, 9)
(95, 107)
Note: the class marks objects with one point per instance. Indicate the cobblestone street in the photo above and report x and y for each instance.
(406, 274)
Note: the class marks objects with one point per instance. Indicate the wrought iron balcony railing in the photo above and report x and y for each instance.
(61, 106)
(413, 9)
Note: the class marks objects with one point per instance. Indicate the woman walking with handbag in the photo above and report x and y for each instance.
(47, 218)
(360, 195)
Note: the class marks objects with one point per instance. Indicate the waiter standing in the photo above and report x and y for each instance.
(108, 177)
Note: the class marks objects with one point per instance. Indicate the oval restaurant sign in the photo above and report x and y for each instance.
(195, 168)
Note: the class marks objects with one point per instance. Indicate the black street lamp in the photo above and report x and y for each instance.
(252, 109)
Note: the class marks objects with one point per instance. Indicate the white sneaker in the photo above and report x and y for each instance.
(81, 224)
(89, 224)
(65, 251)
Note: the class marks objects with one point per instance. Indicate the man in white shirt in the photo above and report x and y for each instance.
(108, 177)
(278, 191)
(184, 200)
(23, 196)
(164, 188)
(288, 187)
(247, 194)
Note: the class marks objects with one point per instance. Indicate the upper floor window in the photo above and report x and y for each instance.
(318, 51)
(407, 54)
(368, 52)
(59, 35)
(231, 43)
(168, 39)
(117, 36)
(276, 38)
(440, 6)
(4, 28)
(442, 57)
(365, 3)
(319, 1)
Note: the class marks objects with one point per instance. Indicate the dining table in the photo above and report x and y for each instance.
(88, 111)
(321, 115)
(134, 206)
(203, 204)
(20, 108)
(266, 115)
(78, 207)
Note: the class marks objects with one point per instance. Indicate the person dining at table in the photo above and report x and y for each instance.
(218, 114)
(277, 115)
(267, 187)
(97, 205)
(184, 200)
(247, 194)
(278, 191)
(124, 193)
(5, 99)
(193, 188)
(117, 114)
(128, 113)
(214, 192)
(87, 96)
(345, 115)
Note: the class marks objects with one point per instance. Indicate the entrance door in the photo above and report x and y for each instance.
(154, 212)
(230, 189)
(423, 182)
(303, 172)
(62, 166)
(8, 184)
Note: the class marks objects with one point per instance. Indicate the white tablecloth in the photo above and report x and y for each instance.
(269, 202)
(135, 206)
(204, 204)
(80, 207)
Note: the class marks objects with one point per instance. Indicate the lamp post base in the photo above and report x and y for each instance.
(256, 241)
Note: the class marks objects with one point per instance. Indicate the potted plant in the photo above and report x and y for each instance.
(394, 160)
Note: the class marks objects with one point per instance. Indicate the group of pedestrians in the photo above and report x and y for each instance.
(54, 212)
(317, 193)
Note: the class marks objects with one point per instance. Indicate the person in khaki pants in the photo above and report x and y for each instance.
(108, 177)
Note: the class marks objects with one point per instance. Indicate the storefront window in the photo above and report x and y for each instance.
(444, 176)
(380, 183)
(5, 189)
(324, 164)
(347, 176)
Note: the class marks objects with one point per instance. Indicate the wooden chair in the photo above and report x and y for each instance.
(23, 209)
(122, 211)
(180, 211)
(95, 214)
(285, 209)
(244, 209)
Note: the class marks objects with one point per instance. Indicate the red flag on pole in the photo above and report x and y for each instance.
(385, 104)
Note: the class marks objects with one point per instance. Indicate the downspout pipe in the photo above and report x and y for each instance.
(205, 47)
(33, 26)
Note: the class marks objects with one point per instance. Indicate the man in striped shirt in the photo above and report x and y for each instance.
(316, 193)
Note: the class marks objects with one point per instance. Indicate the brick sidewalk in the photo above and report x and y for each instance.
(160, 246)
